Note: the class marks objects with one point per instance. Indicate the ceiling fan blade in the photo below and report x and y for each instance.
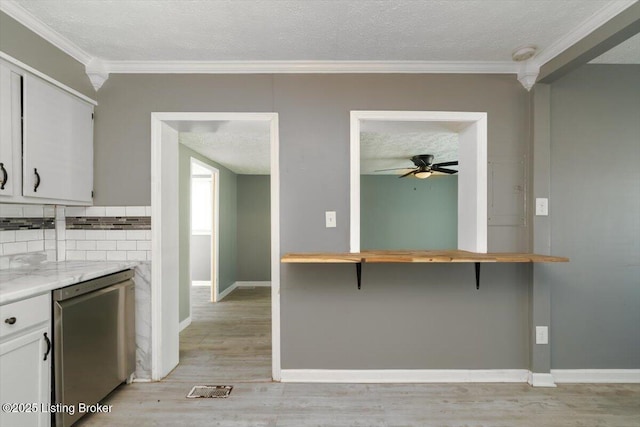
(393, 169)
(408, 173)
(451, 163)
(444, 170)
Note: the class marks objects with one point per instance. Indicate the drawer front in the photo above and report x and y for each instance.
(21, 315)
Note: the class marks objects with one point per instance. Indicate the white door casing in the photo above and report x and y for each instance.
(164, 288)
(165, 250)
(472, 178)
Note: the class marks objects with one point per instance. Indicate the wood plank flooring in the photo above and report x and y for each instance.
(229, 340)
(229, 343)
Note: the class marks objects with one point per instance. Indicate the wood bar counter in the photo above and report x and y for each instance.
(412, 256)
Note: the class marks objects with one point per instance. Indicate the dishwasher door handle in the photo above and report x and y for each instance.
(48, 341)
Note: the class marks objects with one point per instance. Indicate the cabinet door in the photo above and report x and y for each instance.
(26, 379)
(10, 131)
(57, 143)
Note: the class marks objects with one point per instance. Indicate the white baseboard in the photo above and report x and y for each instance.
(227, 291)
(242, 284)
(253, 284)
(186, 322)
(142, 380)
(620, 376)
(201, 283)
(405, 375)
(541, 380)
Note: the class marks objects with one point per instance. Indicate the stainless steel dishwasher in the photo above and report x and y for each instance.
(93, 341)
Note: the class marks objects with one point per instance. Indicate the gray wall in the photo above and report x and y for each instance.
(320, 305)
(254, 228)
(38, 53)
(123, 127)
(253, 235)
(408, 213)
(227, 224)
(406, 316)
(595, 218)
(412, 316)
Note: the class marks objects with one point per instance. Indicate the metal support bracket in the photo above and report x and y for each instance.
(359, 274)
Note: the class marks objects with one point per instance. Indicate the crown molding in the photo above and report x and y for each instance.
(99, 74)
(528, 74)
(250, 67)
(587, 27)
(24, 17)
(45, 77)
(269, 67)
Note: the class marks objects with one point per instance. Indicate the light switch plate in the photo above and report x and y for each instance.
(542, 335)
(330, 219)
(542, 206)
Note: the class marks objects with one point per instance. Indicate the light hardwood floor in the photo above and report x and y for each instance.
(229, 343)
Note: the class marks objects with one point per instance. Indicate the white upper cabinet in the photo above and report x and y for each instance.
(10, 131)
(57, 143)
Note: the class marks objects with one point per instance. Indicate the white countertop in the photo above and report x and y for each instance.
(25, 282)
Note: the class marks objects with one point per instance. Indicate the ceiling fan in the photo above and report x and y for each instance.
(425, 167)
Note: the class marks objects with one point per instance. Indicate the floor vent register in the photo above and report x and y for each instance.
(210, 391)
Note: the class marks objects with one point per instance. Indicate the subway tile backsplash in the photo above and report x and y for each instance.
(105, 211)
(24, 230)
(108, 233)
(25, 211)
(96, 233)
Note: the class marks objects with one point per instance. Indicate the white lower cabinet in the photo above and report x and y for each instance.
(25, 363)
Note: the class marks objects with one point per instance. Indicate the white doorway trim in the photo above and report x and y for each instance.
(164, 304)
(215, 236)
(472, 178)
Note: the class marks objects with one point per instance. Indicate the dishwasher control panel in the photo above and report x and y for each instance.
(82, 288)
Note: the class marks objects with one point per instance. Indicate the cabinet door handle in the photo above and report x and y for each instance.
(46, 338)
(10, 320)
(5, 176)
(35, 187)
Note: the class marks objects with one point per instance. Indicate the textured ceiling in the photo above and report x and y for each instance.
(388, 144)
(447, 30)
(243, 146)
(271, 30)
(240, 146)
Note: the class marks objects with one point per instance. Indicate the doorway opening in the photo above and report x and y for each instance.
(203, 253)
(168, 130)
